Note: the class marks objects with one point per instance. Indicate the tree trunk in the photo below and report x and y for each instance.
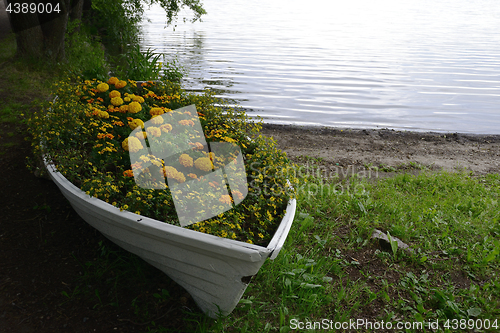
(76, 12)
(54, 29)
(41, 35)
(29, 36)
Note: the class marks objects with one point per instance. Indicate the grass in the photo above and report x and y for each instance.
(330, 268)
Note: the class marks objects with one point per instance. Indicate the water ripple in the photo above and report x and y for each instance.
(416, 64)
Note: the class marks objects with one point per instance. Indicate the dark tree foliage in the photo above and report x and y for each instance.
(41, 34)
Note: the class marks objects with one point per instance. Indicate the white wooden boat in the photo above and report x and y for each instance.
(214, 270)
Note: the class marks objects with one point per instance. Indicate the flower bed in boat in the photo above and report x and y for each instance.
(86, 131)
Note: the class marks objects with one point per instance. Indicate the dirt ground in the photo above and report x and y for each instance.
(388, 149)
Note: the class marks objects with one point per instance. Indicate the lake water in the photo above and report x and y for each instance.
(401, 64)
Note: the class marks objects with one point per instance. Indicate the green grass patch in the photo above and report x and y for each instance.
(331, 269)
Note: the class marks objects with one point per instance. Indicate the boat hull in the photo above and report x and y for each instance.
(215, 271)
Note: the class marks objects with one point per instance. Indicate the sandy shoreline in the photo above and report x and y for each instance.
(390, 148)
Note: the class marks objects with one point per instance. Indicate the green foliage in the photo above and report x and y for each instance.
(85, 55)
(146, 66)
(117, 20)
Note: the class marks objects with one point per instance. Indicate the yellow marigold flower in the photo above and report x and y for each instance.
(141, 135)
(132, 144)
(120, 84)
(124, 108)
(203, 164)
(135, 123)
(127, 99)
(115, 93)
(102, 87)
(103, 114)
(156, 111)
(166, 128)
(134, 107)
(179, 176)
(184, 122)
(197, 145)
(116, 101)
(186, 160)
(157, 120)
(153, 131)
(113, 80)
(226, 199)
(169, 171)
(138, 99)
(128, 173)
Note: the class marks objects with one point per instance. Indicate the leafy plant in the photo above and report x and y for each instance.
(85, 55)
(393, 243)
(147, 65)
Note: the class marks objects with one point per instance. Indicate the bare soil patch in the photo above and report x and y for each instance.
(359, 149)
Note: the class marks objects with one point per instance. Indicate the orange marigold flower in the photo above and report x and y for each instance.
(169, 171)
(136, 123)
(157, 120)
(186, 160)
(184, 122)
(138, 99)
(153, 131)
(226, 199)
(115, 93)
(166, 128)
(128, 173)
(141, 135)
(120, 84)
(179, 176)
(192, 175)
(238, 194)
(156, 111)
(103, 114)
(113, 80)
(197, 145)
